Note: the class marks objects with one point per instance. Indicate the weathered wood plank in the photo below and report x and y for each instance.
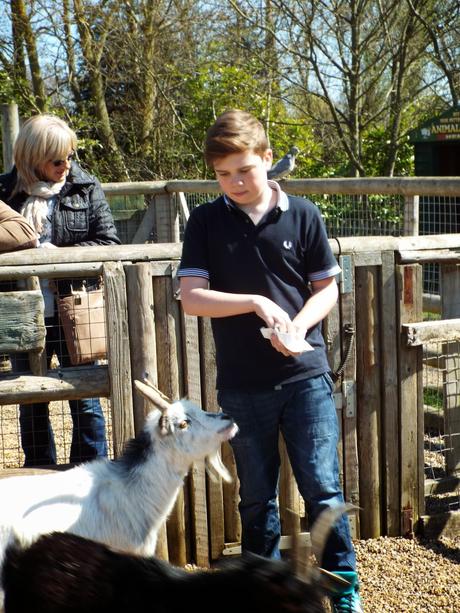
(349, 410)
(75, 271)
(141, 320)
(420, 333)
(62, 384)
(167, 329)
(100, 253)
(429, 255)
(170, 251)
(223, 516)
(166, 219)
(411, 215)
(22, 323)
(37, 359)
(118, 354)
(197, 476)
(407, 186)
(409, 284)
(390, 412)
(368, 398)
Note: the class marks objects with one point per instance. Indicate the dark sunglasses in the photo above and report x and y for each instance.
(69, 158)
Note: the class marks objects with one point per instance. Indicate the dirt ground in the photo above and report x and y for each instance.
(11, 455)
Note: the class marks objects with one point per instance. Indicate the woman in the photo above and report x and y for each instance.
(66, 206)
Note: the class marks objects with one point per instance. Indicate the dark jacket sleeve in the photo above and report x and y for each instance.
(102, 230)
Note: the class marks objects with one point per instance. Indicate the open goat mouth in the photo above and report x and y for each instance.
(229, 431)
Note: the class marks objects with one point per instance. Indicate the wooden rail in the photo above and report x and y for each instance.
(406, 186)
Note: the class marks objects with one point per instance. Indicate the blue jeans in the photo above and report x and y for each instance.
(37, 439)
(305, 413)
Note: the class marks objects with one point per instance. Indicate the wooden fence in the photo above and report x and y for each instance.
(374, 338)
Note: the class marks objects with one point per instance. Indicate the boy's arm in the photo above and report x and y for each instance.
(324, 296)
(198, 299)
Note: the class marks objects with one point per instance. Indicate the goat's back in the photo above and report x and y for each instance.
(65, 573)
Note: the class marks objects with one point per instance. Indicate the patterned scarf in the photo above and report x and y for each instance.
(35, 208)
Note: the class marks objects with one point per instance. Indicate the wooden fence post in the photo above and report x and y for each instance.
(170, 367)
(139, 290)
(349, 409)
(450, 304)
(409, 280)
(411, 216)
(118, 355)
(166, 219)
(390, 399)
(368, 394)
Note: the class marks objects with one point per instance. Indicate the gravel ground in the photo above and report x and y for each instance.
(400, 575)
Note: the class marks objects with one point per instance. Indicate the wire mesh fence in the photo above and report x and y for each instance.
(345, 215)
(42, 433)
(441, 396)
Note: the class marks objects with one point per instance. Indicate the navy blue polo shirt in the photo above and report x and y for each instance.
(275, 258)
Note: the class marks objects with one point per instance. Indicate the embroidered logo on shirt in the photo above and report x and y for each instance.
(287, 244)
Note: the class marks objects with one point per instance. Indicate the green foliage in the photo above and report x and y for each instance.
(433, 397)
(375, 144)
(205, 57)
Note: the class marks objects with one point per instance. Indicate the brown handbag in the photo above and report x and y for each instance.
(82, 316)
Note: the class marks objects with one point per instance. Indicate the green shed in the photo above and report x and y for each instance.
(437, 145)
(437, 154)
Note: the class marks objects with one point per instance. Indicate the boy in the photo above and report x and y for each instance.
(254, 258)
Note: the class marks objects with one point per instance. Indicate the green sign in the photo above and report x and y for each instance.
(446, 127)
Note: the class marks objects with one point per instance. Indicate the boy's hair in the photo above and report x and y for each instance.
(40, 139)
(234, 131)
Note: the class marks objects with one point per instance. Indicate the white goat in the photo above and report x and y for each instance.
(123, 502)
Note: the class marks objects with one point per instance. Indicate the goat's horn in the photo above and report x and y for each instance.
(296, 562)
(152, 393)
(322, 526)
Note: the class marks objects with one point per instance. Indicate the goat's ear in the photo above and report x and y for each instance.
(149, 391)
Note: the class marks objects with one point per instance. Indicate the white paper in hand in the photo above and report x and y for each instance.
(292, 343)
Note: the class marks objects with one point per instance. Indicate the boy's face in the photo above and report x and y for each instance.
(243, 176)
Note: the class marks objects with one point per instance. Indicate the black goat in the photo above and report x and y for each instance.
(65, 573)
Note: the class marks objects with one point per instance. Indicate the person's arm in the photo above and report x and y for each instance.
(323, 298)
(15, 232)
(198, 299)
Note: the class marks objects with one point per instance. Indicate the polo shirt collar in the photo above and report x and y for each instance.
(282, 202)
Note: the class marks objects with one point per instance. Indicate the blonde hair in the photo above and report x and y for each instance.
(40, 139)
(234, 131)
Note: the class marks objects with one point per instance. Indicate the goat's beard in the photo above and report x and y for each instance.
(215, 465)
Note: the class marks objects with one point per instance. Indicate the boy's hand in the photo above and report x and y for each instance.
(272, 314)
(289, 343)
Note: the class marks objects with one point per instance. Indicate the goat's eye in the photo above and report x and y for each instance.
(184, 424)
